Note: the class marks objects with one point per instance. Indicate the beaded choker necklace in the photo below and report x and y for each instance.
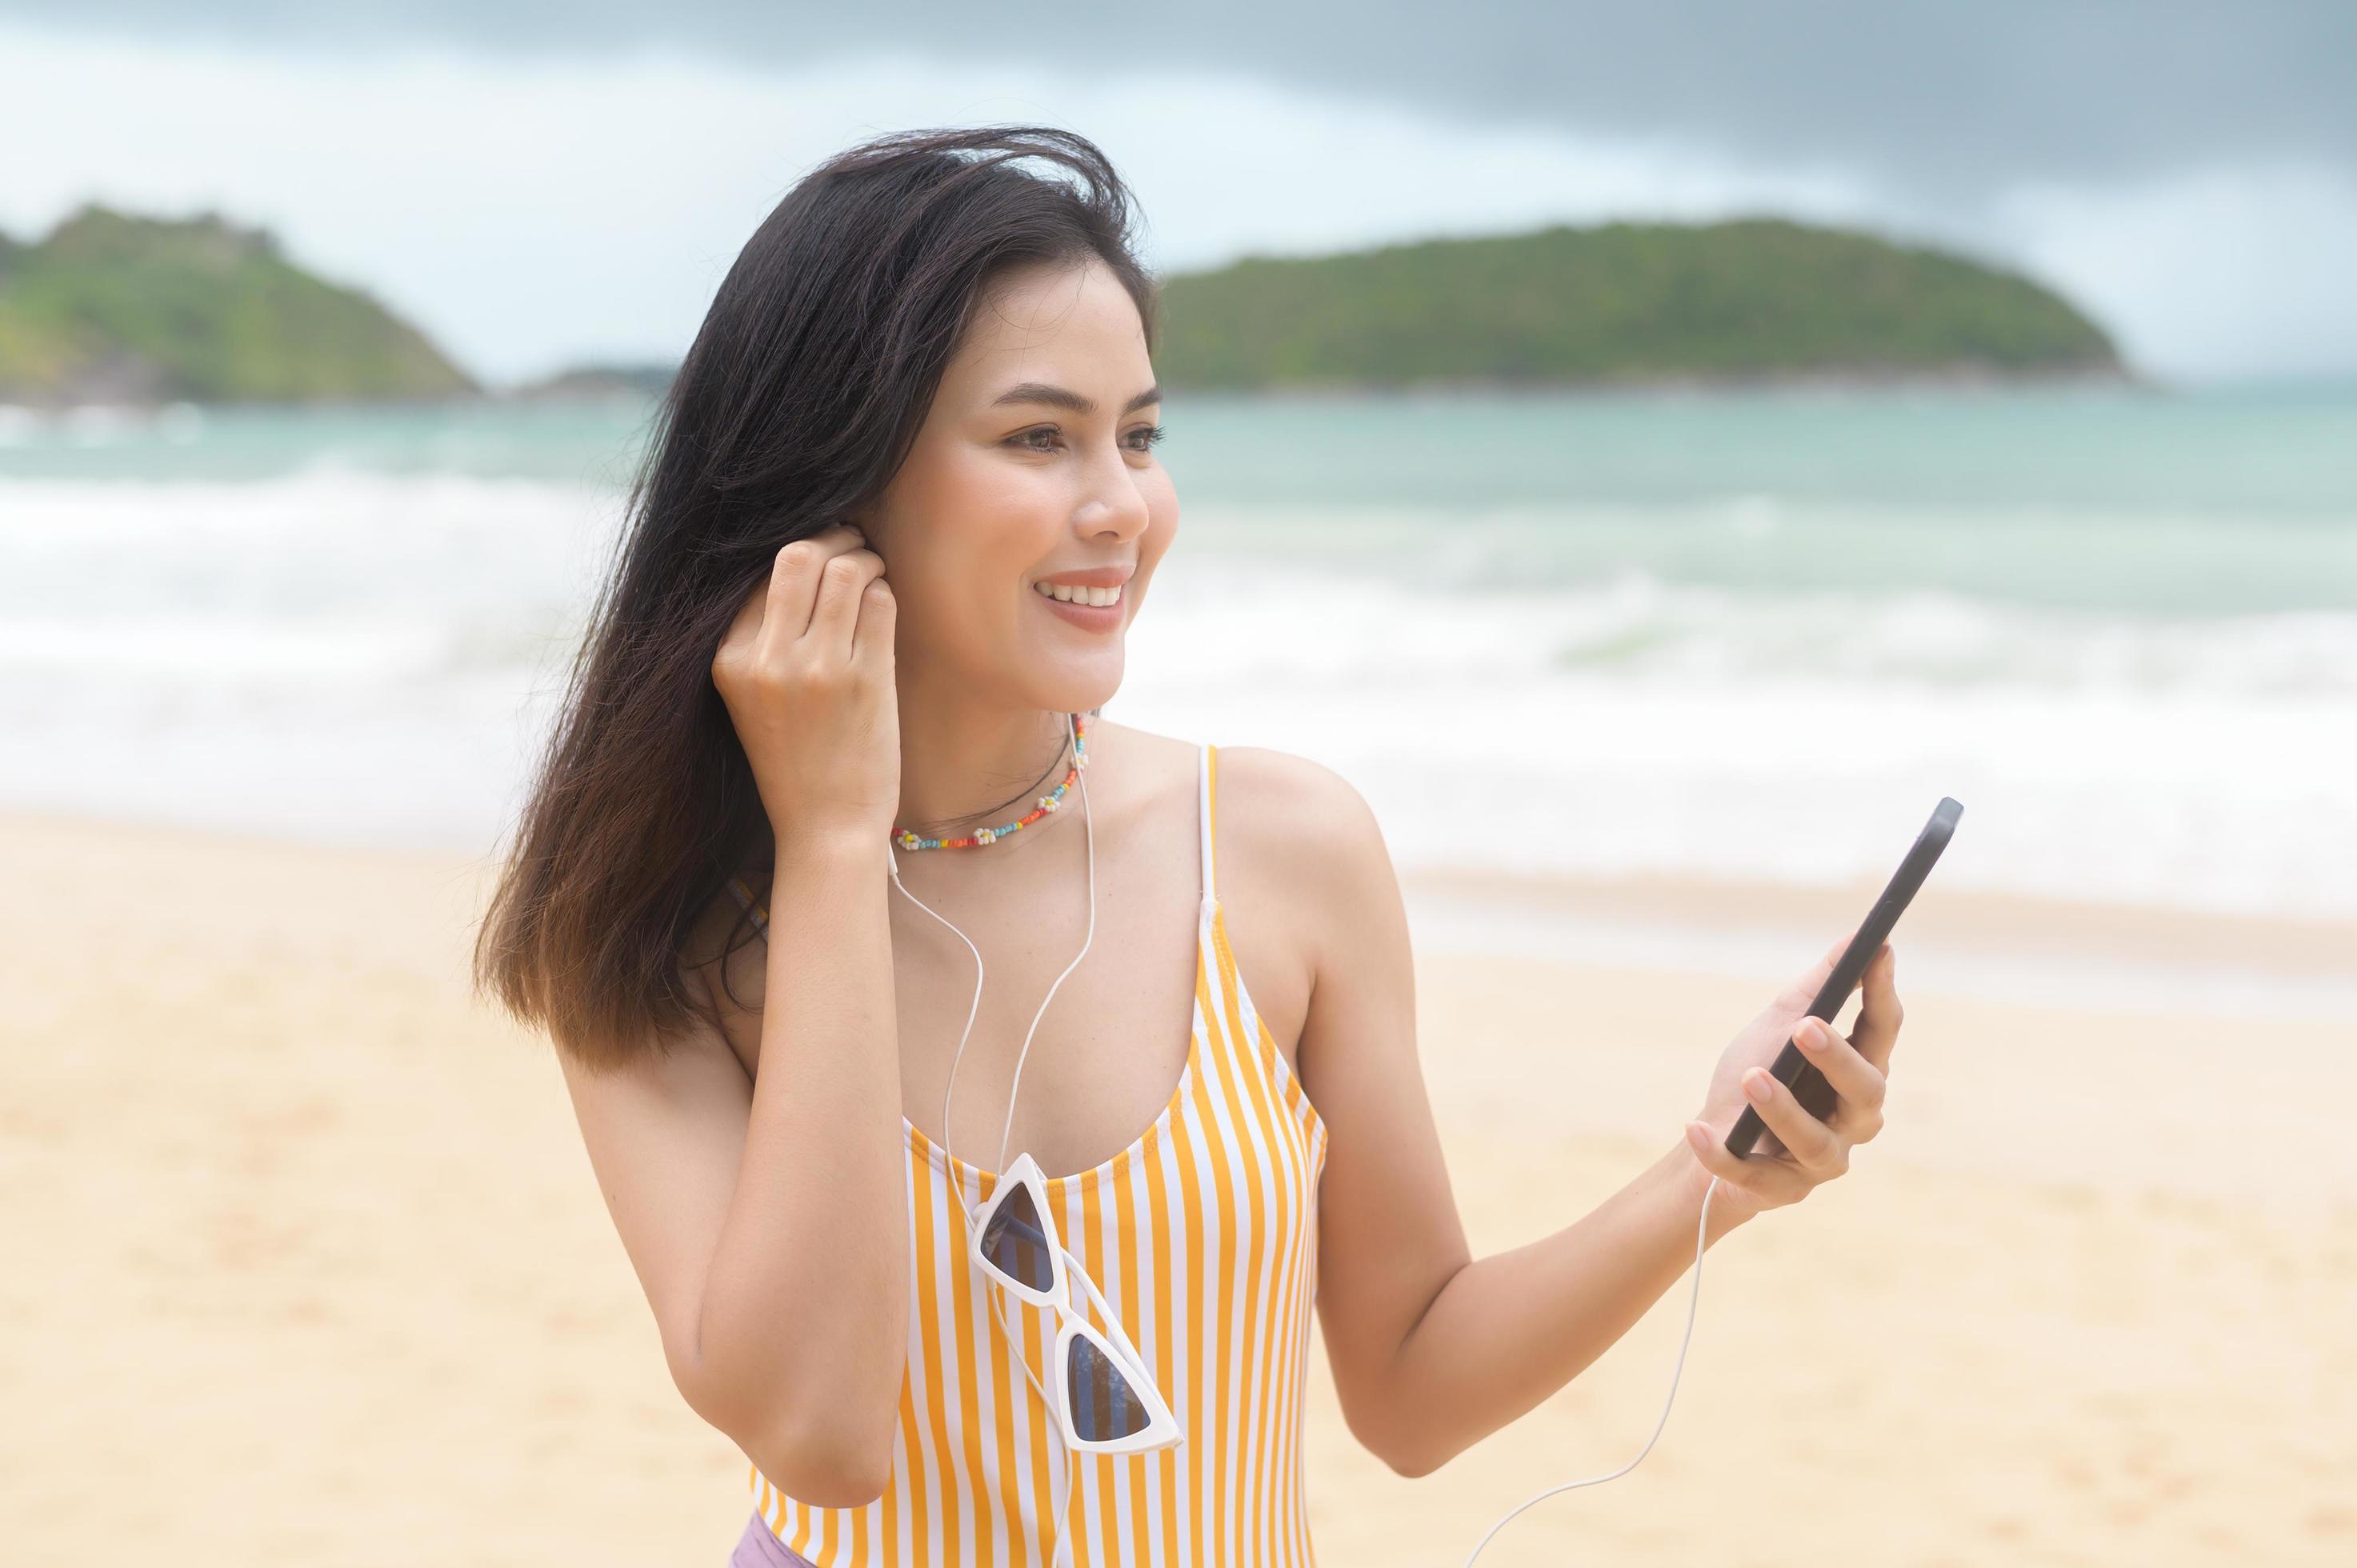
(1048, 802)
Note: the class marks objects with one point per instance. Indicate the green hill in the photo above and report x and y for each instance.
(110, 307)
(1755, 299)
(605, 378)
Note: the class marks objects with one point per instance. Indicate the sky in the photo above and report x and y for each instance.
(538, 183)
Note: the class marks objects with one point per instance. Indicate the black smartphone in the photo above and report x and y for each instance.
(1792, 1068)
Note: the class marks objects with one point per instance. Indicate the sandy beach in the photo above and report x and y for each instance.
(306, 1265)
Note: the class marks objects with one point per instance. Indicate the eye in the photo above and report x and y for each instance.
(1151, 433)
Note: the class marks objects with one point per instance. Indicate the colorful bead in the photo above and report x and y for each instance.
(1047, 803)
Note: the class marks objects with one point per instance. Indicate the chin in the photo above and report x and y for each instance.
(1077, 692)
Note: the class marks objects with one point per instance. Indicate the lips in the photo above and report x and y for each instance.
(1082, 594)
(1089, 618)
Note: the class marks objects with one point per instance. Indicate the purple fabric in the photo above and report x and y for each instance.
(760, 1547)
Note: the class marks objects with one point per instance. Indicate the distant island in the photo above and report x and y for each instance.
(578, 383)
(1751, 300)
(112, 307)
(115, 308)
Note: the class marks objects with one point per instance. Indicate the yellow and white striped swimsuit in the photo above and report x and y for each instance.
(1202, 1235)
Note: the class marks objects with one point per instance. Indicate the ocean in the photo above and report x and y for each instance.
(1755, 635)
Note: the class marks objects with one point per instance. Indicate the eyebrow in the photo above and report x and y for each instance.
(1060, 397)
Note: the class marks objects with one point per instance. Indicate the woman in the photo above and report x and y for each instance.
(776, 781)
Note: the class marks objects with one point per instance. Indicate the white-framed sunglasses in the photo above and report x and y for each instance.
(1105, 1398)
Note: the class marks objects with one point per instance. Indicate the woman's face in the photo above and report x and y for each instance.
(1034, 461)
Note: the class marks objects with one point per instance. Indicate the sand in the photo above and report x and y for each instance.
(306, 1264)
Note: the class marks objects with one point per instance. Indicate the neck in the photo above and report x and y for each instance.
(966, 764)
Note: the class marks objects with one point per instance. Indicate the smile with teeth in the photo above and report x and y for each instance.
(1073, 595)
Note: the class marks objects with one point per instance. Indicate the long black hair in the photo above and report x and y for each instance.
(797, 401)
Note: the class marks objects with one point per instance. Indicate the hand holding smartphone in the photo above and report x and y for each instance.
(1792, 1068)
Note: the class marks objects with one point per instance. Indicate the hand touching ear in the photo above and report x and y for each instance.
(806, 672)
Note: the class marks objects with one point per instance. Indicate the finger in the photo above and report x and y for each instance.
(871, 639)
(744, 627)
(1858, 1081)
(795, 580)
(786, 606)
(841, 582)
(1770, 1181)
(1876, 1030)
(1806, 1138)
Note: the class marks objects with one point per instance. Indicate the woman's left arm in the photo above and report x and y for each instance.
(1431, 1348)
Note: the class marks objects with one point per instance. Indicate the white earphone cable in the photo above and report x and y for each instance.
(1702, 1230)
(1088, 823)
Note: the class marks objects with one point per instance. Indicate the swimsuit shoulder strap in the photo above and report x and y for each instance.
(1207, 815)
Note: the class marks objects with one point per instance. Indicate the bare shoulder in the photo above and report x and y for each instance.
(1303, 869)
(1292, 815)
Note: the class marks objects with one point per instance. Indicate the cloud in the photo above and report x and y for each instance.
(531, 214)
(2227, 271)
(1954, 101)
(528, 209)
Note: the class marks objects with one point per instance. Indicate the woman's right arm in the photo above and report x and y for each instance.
(766, 1215)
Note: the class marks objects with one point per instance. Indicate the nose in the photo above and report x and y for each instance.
(1119, 510)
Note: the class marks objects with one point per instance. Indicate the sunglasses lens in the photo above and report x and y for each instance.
(1015, 1243)
(1103, 1405)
